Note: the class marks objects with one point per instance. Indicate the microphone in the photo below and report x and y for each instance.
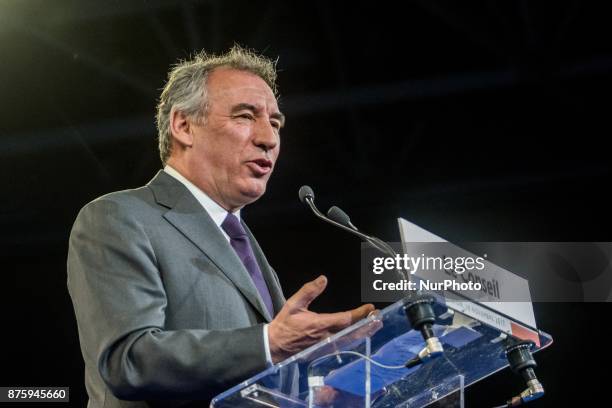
(306, 193)
(336, 214)
(420, 312)
(341, 220)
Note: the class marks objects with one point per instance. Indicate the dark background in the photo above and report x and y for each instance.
(480, 120)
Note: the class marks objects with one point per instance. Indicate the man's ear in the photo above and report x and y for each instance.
(180, 126)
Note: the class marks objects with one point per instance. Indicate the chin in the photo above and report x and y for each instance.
(253, 191)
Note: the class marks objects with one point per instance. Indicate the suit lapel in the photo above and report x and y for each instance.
(191, 219)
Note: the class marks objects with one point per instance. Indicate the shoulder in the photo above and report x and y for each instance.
(134, 206)
(132, 200)
(138, 199)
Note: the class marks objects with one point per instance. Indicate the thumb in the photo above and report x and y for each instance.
(307, 293)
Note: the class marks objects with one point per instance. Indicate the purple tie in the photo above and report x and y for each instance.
(240, 242)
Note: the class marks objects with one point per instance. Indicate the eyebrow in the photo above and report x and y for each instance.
(242, 106)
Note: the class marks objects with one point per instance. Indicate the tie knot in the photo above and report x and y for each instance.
(232, 227)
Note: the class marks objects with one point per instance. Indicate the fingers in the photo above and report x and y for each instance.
(309, 292)
(335, 322)
(361, 312)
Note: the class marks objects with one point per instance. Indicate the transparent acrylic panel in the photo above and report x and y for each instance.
(363, 366)
(448, 394)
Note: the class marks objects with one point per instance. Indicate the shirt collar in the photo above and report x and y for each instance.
(216, 212)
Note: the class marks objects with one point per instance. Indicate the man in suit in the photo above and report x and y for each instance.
(174, 299)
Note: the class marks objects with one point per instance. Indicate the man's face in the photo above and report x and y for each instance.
(235, 148)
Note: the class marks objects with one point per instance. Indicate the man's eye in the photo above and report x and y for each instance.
(276, 125)
(245, 116)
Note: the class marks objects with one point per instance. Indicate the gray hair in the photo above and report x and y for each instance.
(185, 90)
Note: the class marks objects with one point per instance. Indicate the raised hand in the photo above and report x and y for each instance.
(296, 328)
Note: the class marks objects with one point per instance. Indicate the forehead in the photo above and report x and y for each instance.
(233, 86)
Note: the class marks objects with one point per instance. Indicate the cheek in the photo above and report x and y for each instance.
(230, 157)
(276, 151)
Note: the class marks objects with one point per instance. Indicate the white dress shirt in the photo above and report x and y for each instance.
(218, 214)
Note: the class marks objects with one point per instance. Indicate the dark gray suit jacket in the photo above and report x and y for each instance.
(166, 311)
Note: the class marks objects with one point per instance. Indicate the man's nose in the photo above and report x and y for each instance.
(266, 137)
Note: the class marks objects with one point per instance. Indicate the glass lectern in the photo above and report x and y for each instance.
(365, 364)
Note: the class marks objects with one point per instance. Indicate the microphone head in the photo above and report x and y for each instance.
(306, 192)
(339, 216)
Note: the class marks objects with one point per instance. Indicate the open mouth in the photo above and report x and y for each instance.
(260, 167)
